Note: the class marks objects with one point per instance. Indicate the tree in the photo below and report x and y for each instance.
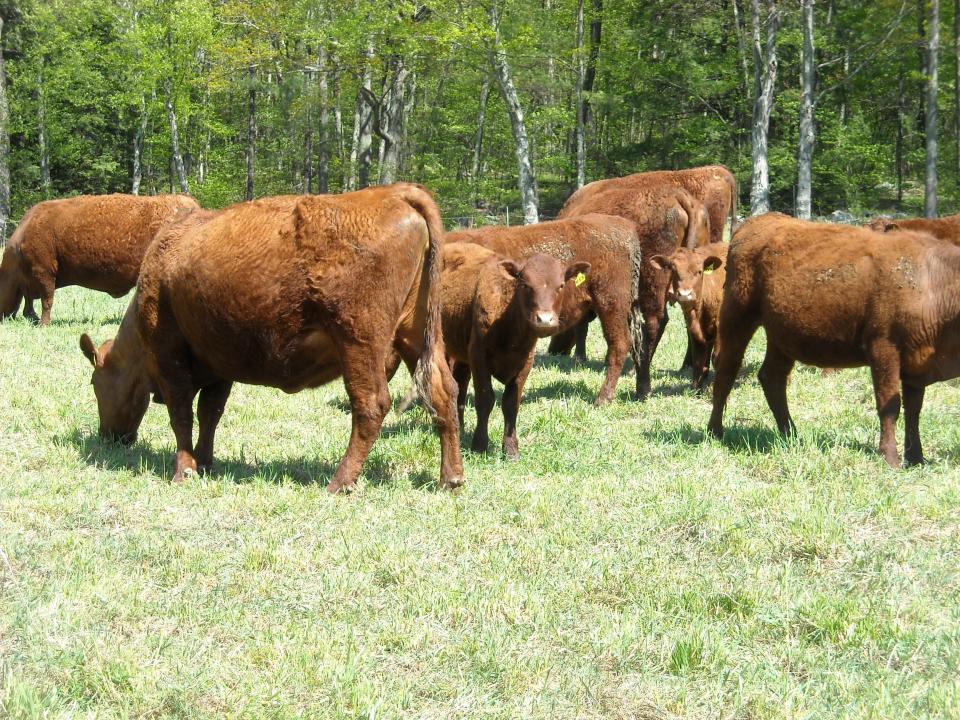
(807, 78)
(930, 128)
(4, 143)
(764, 80)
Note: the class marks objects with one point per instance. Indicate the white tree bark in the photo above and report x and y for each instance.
(42, 136)
(765, 76)
(389, 125)
(360, 156)
(137, 175)
(742, 51)
(933, 48)
(176, 157)
(251, 129)
(807, 131)
(4, 145)
(481, 123)
(526, 179)
(323, 130)
(580, 139)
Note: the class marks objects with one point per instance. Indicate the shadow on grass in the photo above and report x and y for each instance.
(377, 470)
(566, 363)
(561, 389)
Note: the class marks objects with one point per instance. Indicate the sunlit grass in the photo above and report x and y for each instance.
(625, 567)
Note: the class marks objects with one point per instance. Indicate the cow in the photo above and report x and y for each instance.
(945, 228)
(665, 218)
(288, 292)
(838, 296)
(96, 241)
(698, 277)
(713, 185)
(494, 311)
(610, 245)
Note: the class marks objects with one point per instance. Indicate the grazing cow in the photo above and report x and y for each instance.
(494, 311)
(945, 228)
(698, 277)
(289, 292)
(610, 245)
(96, 241)
(836, 296)
(665, 218)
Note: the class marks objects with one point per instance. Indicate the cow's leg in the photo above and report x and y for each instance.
(580, 352)
(688, 362)
(700, 362)
(482, 396)
(366, 384)
(732, 343)
(885, 369)
(562, 343)
(175, 386)
(616, 331)
(461, 376)
(29, 312)
(652, 324)
(46, 299)
(774, 374)
(912, 403)
(512, 393)
(210, 406)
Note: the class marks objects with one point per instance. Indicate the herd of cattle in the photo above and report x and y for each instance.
(295, 291)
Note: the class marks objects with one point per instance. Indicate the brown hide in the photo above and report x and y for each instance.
(96, 241)
(494, 311)
(609, 244)
(289, 292)
(945, 228)
(698, 277)
(840, 296)
(713, 185)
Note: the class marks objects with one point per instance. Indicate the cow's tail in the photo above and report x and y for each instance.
(734, 199)
(635, 318)
(427, 365)
(698, 221)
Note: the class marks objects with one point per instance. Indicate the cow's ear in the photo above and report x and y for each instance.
(90, 350)
(661, 263)
(577, 270)
(511, 269)
(712, 263)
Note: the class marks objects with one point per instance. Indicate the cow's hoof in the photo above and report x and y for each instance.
(340, 488)
(716, 430)
(184, 475)
(479, 447)
(452, 483)
(602, 400)
(511, 453)
(579, 361)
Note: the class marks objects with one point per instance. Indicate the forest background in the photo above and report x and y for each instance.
(838, 104)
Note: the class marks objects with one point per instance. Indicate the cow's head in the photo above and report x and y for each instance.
(688, 268)
(883, 224)
(121, 387)
(540, 281)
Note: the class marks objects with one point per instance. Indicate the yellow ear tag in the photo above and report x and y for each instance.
(707, 271)
(580, 279)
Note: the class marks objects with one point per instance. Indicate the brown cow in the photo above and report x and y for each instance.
(665, 218)
(945, 228)
(494, 311)
(833, 296)
(96, 241)
(698, 277)
(610, 245)
(289, 292)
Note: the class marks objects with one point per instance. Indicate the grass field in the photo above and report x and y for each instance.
(626, 567)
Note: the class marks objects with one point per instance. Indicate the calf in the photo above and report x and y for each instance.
(289, 292)
(698, 277)
(97, 241)
(610, 246)
(945, 228)
(837, 296)
(494, 311)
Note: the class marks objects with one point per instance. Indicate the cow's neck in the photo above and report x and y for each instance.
(128, 348)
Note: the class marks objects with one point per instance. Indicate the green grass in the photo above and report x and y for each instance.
(625, 567)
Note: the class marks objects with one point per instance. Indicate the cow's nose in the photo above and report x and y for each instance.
(546, 318)
(686, 294)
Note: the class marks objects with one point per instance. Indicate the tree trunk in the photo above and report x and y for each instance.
(138, 138)
(901, 122)
(390, 121)
(478, 138)
(42, 136)
(933, 48)
(4, 145)
(956, 81)
(580, 140)
(764, 79)
(360, 155)
(338, 123)
(590, 78)
(807, 132)
(308, 154)
(176, 159)
(737, 26)
(251, 128)
(323, 132)
(526, 179)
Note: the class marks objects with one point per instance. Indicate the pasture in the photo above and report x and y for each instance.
(625, 567)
